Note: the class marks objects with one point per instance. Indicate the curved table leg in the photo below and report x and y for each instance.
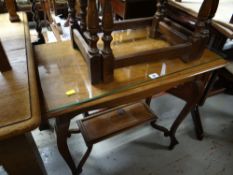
(177, 123)
(197, 123)
(62, 130)
(192, 98)
(191, 93)
(171, 133)
(83, 160)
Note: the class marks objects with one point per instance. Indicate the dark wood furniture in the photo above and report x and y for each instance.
(4, 62)
(13, 16)
(12, 8)
(105, 124)
(102, 60)
(127, 9)
(59, 70)
(19, 104)
(220, 31)
(220, 81)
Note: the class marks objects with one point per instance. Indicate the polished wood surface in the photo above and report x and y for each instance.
(19, 105)
(111, 122)
(185, 44)
(114, 121)
(65, 69)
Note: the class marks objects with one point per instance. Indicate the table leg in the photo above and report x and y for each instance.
(84, 159)
(4, 62)
(191, 92)
(20, 156)
(14, 17)
(62, 129)
(177, 123)
(46, 9)
(197, 123)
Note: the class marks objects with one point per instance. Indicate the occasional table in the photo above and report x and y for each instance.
(62, 69)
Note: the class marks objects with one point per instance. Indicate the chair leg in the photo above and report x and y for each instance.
(62, 128)
(11, 7)
(197, 122)
(83, 160)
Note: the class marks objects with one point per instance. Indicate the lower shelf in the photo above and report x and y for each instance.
(110, 122)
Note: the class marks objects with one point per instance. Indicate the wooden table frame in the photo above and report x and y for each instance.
(190, 81)
(191, 88)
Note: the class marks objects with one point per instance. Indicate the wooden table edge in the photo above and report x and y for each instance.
(124, 96)
(34, 120)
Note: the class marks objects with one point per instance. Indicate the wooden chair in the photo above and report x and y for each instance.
(184, 43)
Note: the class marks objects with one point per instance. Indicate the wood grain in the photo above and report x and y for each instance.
(114, 120)
(65, 69)
(19, 107)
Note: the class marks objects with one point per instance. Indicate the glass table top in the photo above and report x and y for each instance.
(65, 79)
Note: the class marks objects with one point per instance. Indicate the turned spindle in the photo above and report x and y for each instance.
(107, 27)
(159, 15)
(11, 7)
(72, 20)
(4, 62)
(206, 13)
(83, 15)
(36, 19)
(92, 26)
(201, 33)
(72, 13)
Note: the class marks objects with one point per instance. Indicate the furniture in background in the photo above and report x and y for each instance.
(127, 9)
(19, 104)
(220, 42)
(13, 16)
(59, 7)
(101, 59)
(12, 6)
(4, 62)
(221, 26)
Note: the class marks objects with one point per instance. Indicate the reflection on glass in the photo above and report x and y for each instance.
(70, 71)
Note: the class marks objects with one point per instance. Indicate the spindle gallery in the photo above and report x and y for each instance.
(87, 24)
